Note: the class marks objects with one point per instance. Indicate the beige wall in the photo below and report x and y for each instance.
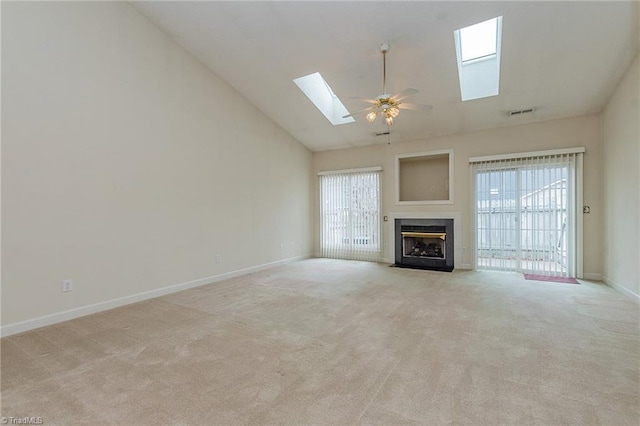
(582, 131)
(127, 166)
(621, 125)
(424, 178)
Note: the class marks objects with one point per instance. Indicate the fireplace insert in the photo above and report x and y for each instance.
(424, 244)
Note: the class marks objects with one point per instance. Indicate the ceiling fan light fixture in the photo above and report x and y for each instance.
(386, 105)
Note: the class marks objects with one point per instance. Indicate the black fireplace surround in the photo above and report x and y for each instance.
(424, 244)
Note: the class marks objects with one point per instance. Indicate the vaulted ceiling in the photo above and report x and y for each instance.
(562, 58)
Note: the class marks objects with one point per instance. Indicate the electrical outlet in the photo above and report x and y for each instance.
(67, 285)
(218, 258)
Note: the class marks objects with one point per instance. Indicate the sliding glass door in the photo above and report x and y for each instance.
(525, 215)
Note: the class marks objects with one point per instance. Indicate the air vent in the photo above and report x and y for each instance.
(519, 112)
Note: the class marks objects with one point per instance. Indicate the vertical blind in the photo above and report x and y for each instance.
(525, 214)
(350, 214)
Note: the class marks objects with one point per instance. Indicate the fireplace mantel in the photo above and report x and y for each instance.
(389, 253)
(424, 244)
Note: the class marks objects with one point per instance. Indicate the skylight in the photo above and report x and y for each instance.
(479, 41)
(319, 92)
(478, 53)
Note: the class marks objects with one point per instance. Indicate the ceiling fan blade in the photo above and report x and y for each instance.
(417, 107)
(367, 100)
(359, 112)
(405, 93)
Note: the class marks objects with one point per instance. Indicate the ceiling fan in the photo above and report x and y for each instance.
(386, 105)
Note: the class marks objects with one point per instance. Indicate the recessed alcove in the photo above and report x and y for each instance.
(424, 177)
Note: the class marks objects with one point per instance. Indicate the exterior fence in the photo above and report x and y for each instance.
(531, 235)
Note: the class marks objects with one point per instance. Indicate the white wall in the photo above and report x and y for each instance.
(127, 165)
(581, 131)
(621, 124)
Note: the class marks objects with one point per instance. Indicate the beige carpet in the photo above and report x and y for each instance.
(339, 342)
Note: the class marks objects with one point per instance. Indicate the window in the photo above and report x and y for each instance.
(478, 53)
(319, 92)
(350, 214)
(479, 41)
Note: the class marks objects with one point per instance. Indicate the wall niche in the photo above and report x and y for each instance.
(424, 177)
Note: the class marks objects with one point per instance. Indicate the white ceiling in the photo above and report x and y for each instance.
(563, 58)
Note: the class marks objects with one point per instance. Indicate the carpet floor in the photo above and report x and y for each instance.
(326, 341)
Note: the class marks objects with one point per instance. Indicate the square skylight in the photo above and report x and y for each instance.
(319, 92)
(478, 51)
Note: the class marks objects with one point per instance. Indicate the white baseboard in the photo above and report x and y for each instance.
(22, 326)
(622, 289)
(592, 276)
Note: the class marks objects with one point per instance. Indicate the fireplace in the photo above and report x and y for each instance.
(424, 244)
